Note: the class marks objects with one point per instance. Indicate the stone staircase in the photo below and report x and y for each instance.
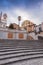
(16, 51)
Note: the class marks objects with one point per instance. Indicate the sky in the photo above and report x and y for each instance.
(28, 10)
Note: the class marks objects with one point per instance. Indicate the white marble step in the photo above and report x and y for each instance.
(15, 49)
(18, 59)
(8, 47)
(38, 61)
(20, 51)
(20, 54)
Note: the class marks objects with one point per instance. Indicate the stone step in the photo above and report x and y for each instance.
(5, 50)
(18, 51)
(18, 59)
(12, 51)
(21, 47)
(11, 48)
(19, 55)
(37, 61)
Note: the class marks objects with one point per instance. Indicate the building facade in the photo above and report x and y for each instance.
(12, 34)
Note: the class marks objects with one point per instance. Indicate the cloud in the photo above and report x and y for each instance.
(33, 14)
(14, 13)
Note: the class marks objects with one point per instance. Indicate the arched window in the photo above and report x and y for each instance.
(10, 35)
(21, 35)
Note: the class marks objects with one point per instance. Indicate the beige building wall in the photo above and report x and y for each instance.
(13, 34)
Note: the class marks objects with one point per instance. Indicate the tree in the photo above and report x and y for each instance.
(11, 26)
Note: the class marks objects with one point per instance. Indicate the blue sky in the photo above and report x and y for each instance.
(27, 9)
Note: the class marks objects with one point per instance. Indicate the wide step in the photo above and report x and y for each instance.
(7, 57)
(12, 52)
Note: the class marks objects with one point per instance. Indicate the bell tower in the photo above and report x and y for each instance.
(3, 20)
